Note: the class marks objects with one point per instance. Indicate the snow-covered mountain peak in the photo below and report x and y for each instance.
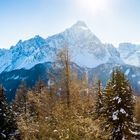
(34, 42)
(130, 53)
(25, 54)
(87, 50)
(80, 24)
(78, 33)
(127, 46)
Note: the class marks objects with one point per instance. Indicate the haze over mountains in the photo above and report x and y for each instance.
(86, 49)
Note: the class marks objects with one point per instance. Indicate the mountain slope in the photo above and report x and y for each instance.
(104, 71)
(40, 72)
(25, 54)
(130, 53)
(86, 49)
(11, 80)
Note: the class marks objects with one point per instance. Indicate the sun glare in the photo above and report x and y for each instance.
(93, 6)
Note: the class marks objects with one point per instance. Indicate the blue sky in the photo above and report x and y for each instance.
(113, 21)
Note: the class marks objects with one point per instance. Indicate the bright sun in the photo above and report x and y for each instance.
(93, 6)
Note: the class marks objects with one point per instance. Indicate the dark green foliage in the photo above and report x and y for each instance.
(119, 106)
(8, 127)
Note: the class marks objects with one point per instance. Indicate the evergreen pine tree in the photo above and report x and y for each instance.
(107, 104)
(8, 127)
(119, 106)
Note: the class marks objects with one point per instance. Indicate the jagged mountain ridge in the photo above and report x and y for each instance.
(25, 54)
(86, 49)
(130, 53)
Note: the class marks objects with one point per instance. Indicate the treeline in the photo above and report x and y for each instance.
(69, 109)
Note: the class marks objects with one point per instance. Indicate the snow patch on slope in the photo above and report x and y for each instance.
(127, 72)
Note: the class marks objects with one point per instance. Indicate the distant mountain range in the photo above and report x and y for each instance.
(87, 51)
(130, 53)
